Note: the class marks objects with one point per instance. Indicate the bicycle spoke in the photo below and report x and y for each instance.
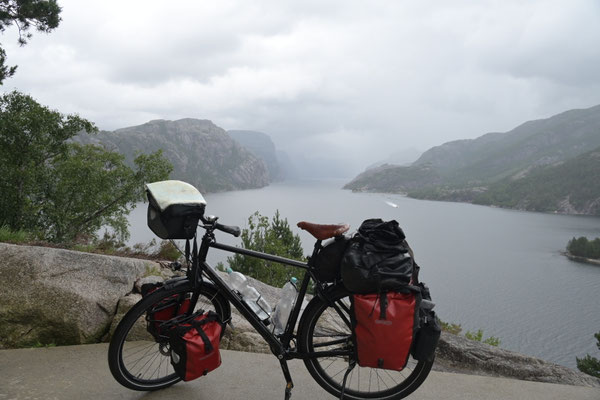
(391, 377)
(330, 364)
(141, 358)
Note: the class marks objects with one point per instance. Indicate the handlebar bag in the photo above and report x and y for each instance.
(174, 209)
(194, 345)
(384, 327)
(164, 311)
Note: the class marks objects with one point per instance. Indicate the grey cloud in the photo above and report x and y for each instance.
(387, 75)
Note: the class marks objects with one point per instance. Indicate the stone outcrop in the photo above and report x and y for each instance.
(459, 354)
(59, 296)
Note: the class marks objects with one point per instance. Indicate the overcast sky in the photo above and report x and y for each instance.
(347, 79)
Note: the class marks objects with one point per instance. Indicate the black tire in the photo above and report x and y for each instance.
(136, 359)
(322, 328)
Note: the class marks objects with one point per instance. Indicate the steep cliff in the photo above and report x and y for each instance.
(202, 153)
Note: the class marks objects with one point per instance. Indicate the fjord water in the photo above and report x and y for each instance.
(489, 268)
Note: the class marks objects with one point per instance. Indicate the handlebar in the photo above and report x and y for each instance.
(211, 221)
(232, 230)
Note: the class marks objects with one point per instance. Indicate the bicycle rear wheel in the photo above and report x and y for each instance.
(325, 326)
(139, 359)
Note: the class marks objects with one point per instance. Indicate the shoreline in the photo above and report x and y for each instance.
(405, 194)
(580, 259)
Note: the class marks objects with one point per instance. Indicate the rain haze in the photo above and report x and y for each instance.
(352, 81)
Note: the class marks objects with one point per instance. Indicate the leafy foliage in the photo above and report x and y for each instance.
(456, 329)
(60, 189)
(590, 365)
(583, 247)
(272, 237)
(449, 327)
(478, 336)
(43, 15)
(168, 251)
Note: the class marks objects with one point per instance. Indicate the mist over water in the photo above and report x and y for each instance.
(489, 268)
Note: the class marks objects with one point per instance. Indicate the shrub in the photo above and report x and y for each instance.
(478, 336)
(588, 364)
(272, 237)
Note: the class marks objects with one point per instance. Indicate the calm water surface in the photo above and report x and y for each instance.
(489, 268)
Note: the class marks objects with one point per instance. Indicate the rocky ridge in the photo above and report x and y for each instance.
(55, 296)
(202, 153)
(548, 165)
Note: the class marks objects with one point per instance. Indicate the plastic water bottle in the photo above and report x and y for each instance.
(285, 305)
(250, 295)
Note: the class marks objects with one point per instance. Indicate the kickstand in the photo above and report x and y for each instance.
(288, 378)
(350, 368)
(288, 391)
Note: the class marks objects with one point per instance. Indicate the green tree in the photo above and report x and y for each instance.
(91, 187)
(43, 15)
(31, 137)
(590, 365)
(62, 189)
(583, 247)
(272, 237)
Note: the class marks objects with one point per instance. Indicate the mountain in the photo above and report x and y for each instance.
(201, 153)
(570, 187)
(263, 147)
(395, 179)
(498, 155)
(542, 165)
(403, 157)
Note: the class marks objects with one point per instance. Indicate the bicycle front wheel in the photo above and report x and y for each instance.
(138, 357)
(325, 326)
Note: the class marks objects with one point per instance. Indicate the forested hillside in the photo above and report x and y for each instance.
(543, 165)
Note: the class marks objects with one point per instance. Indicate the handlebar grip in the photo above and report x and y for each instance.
(232, 230)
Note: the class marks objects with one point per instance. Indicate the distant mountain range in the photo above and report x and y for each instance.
(202, 153)
(263, 147)
(550, 165)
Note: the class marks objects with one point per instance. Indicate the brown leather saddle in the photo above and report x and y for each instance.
(322, 232)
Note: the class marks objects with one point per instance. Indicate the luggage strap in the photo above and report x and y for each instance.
(181, 330)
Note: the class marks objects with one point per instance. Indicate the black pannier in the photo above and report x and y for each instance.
(377, 259)
(174, 209)
(328, 259)
(429, 331)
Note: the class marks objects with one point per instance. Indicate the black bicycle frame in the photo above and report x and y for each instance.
(279, 347)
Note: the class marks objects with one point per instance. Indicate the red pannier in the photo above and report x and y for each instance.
(164, 310)
(384, 327)
(194, 345)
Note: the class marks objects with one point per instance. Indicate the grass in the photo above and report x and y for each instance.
(152, 270)
(477, 336)
(16, 237)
